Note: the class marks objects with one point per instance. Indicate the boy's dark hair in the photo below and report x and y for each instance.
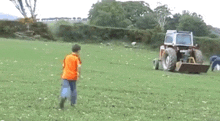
(76, 48)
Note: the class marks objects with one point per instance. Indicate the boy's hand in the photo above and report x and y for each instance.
(81, 77)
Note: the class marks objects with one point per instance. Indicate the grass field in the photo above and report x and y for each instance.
(118, 84)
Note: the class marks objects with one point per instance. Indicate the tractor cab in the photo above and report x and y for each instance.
(178, 38)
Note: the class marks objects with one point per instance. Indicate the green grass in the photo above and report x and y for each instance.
(118, 84)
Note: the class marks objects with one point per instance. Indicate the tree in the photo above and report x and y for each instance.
(162, 12)
(26, 21)
(32, 8)
(109, 14)
(193, 22)
(134, 10)
(148, 21)
(172, 22)
(19, 4)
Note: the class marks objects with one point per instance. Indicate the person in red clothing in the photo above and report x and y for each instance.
(71, 73)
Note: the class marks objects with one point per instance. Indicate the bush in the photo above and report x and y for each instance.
(82, 32)
(54, 27)
(213, 36)
(154, 37)
(42, 30)
(157, 40)
(208, 46)
(8, 28)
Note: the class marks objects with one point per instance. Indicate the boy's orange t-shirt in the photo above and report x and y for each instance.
(70, 67)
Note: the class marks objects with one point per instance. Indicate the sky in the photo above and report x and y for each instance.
(209, 9)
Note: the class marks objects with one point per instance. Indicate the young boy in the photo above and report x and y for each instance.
(71, 73)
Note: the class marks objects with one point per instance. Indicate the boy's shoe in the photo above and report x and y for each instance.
(73, 105)
(62, 102)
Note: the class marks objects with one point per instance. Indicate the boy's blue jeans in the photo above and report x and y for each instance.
(64, 90)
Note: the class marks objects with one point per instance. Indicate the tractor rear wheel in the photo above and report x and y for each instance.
(169, 59)
(198, 56)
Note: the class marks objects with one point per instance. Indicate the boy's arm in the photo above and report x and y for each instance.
(79, 69)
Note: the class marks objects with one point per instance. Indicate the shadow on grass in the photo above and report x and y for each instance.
(184, 73)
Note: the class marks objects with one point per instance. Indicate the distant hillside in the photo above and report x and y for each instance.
(214, 30)
(4, 16)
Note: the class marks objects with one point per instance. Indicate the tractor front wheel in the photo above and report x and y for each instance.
(198, 56)
(156, 64)
(169, 59)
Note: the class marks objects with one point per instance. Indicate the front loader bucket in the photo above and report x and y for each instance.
(192, 67)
